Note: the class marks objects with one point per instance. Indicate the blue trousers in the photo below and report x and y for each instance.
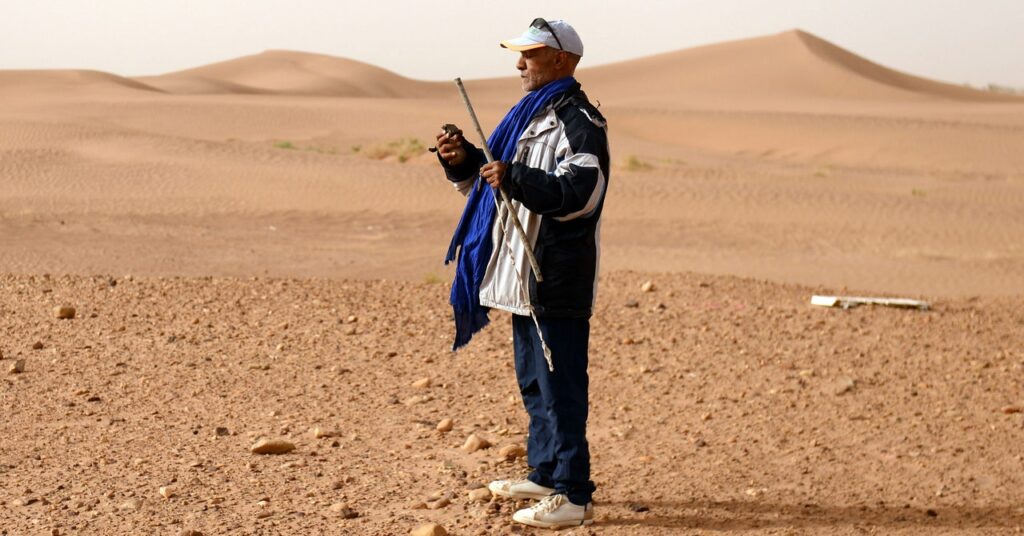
(557, 403)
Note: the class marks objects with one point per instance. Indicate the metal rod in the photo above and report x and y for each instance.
(504, 196)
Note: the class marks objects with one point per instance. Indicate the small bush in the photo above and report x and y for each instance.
(402, 149)
(284, 145)
(633, 163)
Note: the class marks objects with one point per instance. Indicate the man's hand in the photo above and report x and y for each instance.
(493, 173)
(449, 146)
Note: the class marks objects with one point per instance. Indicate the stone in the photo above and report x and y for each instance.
(417, 505)
(438, 504)
(190, 532)
(321, 433)
(293, 464)
(221, 431)
(430, 529)
(131, 505)
(272, 446)
(37, 345)
(1009, 410)
(474, 443)
(166, 491)
(422, 383)
(445, 425)
(64, 312)
(17, 367)
(479, 495)
(648, 286)
(512, 452)
(842, 385)
(632, 304)
(344, 511)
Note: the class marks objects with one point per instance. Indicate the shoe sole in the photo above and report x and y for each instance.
(501, 493)
(546, 525)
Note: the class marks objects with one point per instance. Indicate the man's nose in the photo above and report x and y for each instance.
(521, 64)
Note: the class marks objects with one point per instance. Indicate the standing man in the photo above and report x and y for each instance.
(552, 160)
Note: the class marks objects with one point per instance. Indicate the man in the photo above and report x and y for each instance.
(552, 160)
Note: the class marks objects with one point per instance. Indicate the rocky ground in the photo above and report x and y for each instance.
(719, 405)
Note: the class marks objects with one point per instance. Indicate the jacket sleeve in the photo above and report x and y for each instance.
(463, 175)
(576, 186)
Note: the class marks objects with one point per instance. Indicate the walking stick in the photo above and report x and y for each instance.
(515, 222)
(504, 196)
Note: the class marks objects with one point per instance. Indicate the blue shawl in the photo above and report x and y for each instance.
(473, 233)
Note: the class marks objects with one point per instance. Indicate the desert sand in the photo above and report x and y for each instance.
(253, 249)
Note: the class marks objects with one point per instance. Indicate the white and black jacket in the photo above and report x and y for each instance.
(557, 182)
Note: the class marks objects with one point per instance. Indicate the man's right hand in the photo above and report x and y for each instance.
(449, 146)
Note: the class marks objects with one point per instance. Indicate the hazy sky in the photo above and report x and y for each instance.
(959, 41)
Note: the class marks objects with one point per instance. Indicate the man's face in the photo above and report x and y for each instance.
(537, 67)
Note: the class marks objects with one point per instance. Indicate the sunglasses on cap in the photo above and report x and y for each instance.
(542, 24)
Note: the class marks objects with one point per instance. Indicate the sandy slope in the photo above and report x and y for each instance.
(782, 158)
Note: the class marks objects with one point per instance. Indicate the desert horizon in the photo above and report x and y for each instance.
(254, 249)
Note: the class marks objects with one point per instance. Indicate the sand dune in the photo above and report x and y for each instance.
(780, 157)
(68, 83)
(281, 72)
(790, 65)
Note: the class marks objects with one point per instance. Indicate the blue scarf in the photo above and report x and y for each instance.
(473, 233)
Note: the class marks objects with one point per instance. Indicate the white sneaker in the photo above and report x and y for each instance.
(554, 512)
(519, 489)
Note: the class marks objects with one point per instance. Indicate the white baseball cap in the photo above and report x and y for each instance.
(556, 34)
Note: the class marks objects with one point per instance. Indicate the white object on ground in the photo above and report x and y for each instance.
(847, 302)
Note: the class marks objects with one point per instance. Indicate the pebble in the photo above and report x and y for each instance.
(445, 425)
(17, 367)
(321, 433)
(648, 286)
(1009, 410)
(166, 492)
(479, 495)
(264, 515)
(221, 431)
(422, 383)
(430, 529)
(344, 511)
(272, 446)
(512, 452)
(64, 312)
(438, 504)
(190, 532)
(37, 345)
(474, 443)
(293, 464)
(417, 505)
(842, 386)
(131, 505)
